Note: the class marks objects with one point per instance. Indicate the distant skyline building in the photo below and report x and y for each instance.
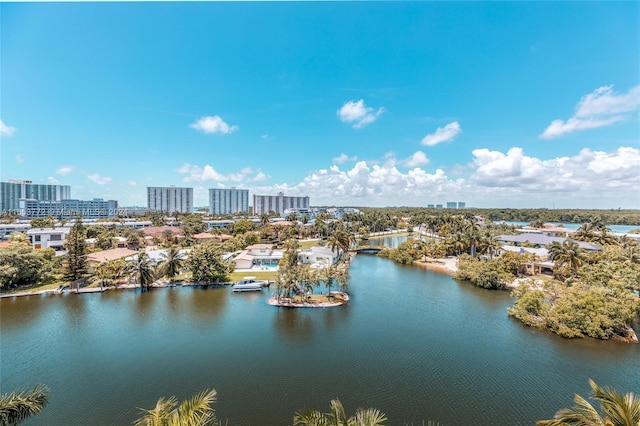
(278, 203)
(12, 191)
(69, 209)
(452, 204)
(228, 201)
(170, 199)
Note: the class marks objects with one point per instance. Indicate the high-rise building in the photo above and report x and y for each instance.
(170, 199)
(462, 204)
(228, 201)
(452, 205)
(12, 191)
(278, 203)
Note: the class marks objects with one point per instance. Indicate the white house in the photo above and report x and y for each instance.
(42, 238)
(259, 257)
(319, 257)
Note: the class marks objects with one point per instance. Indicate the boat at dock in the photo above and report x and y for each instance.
(250, 284)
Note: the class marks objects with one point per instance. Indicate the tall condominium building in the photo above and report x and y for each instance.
(228, 201)
(278, 203)
(170, 199)
(69, 209)
(12, 191)
(456, 204)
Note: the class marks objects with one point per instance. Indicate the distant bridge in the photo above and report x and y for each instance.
(367, 249)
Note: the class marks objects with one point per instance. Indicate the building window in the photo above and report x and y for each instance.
(37, 238)
(56, 237)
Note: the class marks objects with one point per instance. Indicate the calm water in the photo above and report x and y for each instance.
(418, 345)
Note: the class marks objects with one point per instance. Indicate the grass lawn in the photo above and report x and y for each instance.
(260, 275)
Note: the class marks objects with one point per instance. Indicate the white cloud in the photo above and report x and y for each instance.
(6, 130)
(267, 137)
(213, 124)
(132, 183)
(259, 177)
(20, 158)
(64, 170)
(52, 181)
(588, 179)
(600, 108)
(99, 180)
(343, 158)
(442, 134)
(587, 175)
(417, 159)
(207, 173)
(357, 113)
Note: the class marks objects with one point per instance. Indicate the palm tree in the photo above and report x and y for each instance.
(568, 253)
(103, 275)
(142, 270)
(196, 411)
(16, 407)
(338, 417)
(630, 250)
(172, 262)
(619, 410)
(264, 219)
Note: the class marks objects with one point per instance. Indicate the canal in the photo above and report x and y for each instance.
(416, 344)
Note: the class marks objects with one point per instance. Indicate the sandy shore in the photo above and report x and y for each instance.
(445, 265)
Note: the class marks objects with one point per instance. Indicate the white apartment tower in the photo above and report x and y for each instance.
(228, 201)
(12, 191)
(170, 199)
(278, 203)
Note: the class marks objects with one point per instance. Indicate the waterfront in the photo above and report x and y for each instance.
(414, 343)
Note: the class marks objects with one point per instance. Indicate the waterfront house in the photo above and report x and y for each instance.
(319, 257)
(95, 259)
(42, 238)
(258, 257)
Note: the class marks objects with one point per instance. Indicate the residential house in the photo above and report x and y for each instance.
(42, 238)
(319, 257)
(258, 257)
(95, 259)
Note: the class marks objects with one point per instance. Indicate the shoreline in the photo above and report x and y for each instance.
(445, 265)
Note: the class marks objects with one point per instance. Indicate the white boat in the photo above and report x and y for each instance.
(250, 284)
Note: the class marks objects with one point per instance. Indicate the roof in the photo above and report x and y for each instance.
(544, 240)
(156, 231)
(204, 236)
(109, 255)
(538, 252)
(64, 230)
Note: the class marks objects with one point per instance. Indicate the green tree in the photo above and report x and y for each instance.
(196, 411)
(43, 222)
(76, 261)
(172, 262)
(20, 265)
(616, 410)
(19, 406)
(19, 238)
(242, 227)
(567, 253)
(142, 270)
(206, 264)
(193, 224)
(337, 416)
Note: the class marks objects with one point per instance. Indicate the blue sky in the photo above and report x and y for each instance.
(498, 104)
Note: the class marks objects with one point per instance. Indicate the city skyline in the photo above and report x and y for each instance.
(523, 105)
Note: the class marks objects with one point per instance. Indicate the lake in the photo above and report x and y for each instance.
(416, 344)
